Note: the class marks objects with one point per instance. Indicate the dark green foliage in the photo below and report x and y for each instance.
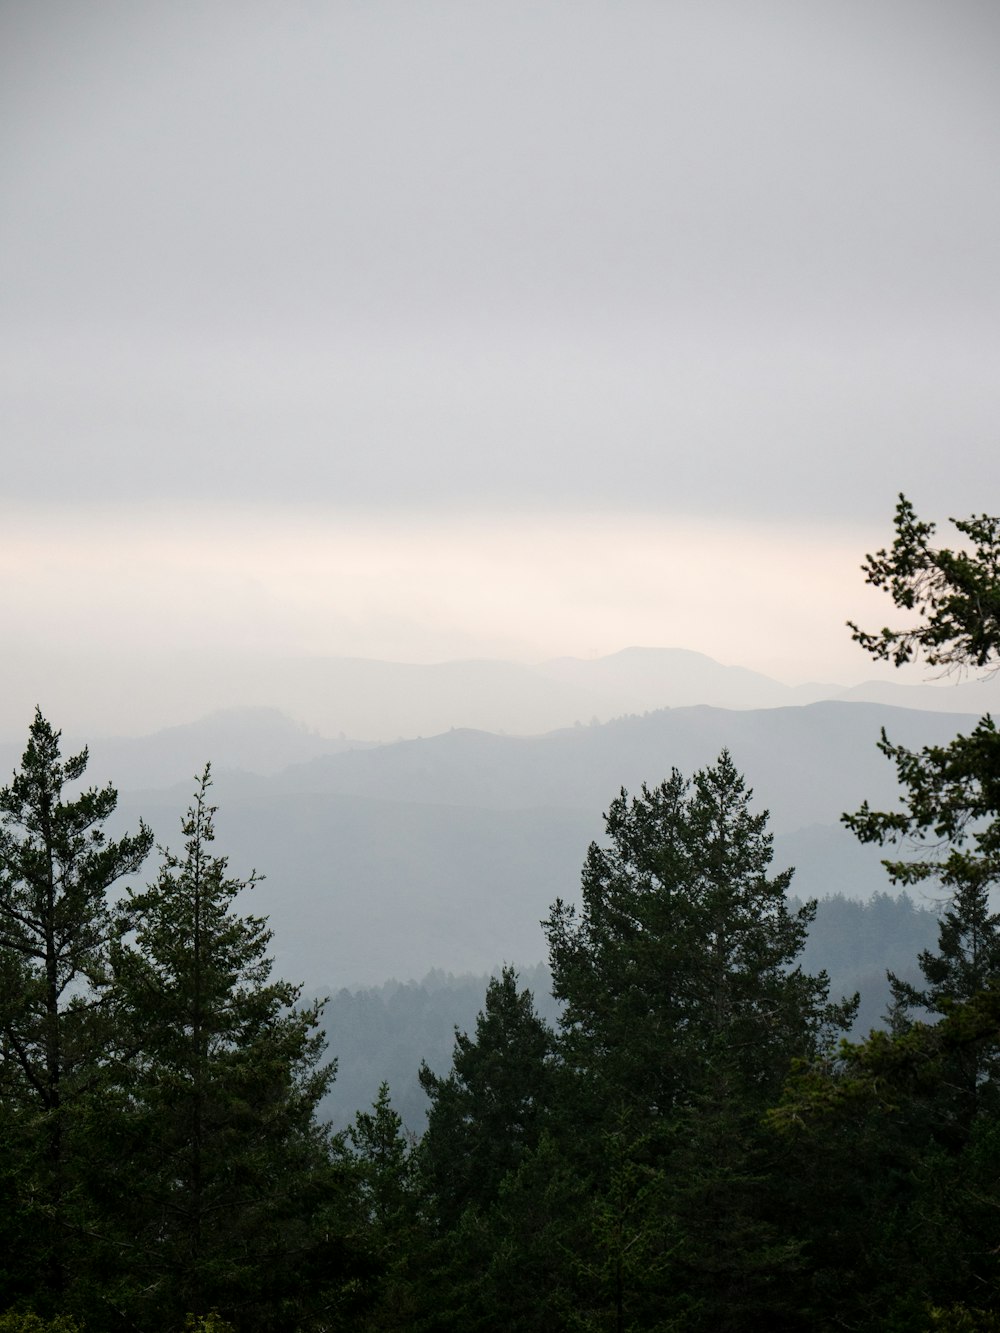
(966, 962)
(526, 1244)
(160, 1153)
(950, 812)
(951, 796)
(382, 1033)
(956, 594)
(962, 1319)
(895, 1142)
(900, 1198)
(227, 1191)
(684, 1007)
(386, 1168)
(678, 972)
(490, 1110)
(12, 1322)
(56, 923)
(57, 1035)
(379, 1030)
(486, 1120)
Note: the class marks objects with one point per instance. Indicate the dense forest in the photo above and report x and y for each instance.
(376, 1030)
(693, 1137)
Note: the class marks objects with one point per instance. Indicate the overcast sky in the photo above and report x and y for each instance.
(451, 329)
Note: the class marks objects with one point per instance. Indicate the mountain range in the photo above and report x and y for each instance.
(445, 850)
(372, 701)
(390, 860)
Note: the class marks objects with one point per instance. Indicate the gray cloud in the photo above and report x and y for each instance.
(696, 257)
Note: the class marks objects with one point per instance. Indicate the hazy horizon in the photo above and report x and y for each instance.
(424, 333)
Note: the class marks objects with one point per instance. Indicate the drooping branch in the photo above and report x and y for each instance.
(955, 593)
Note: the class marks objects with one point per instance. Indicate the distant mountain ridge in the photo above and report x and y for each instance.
(583, 767)
(644, 679)
(446, 852)
(377, 701)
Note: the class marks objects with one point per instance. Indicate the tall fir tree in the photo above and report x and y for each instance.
(487, 1117)
(894, 1145)
(946, 828)
(228, 1193)
(678, 971)
(684, 1009)
(58, 929)
(384, 1157)
(490, 1109)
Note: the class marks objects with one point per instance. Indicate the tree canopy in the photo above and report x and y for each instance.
(955, 594)
(228, 1174)
(58, 930)
(947, 827)
(680, 962)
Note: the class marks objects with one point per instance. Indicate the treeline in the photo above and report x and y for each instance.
(161, 1153)
(378, 1032)
(691, 1147)
(381, 1034)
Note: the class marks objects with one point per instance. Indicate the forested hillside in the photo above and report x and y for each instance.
(684, 1137)
(446, 852)
(377, 1031)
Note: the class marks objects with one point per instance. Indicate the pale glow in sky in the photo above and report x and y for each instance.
(410, 588)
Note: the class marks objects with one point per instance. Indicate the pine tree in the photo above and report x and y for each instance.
(947, 827)
(490, 1109)
(383, 1154)
(894, 1144)
(226, 1188)
(955, 593)
(678, 971)
(487, 1117)
(57, 932)
(684, 1009)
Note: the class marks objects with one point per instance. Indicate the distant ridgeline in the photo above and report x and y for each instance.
(446, 852)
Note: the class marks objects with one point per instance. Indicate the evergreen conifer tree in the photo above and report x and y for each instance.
(487, 1117)
(57, 933)
(489, 1111)
(895, 1144)
(947, 827)
(678, 972)
(386, 1163)
(227, 1188)
(684, 1009)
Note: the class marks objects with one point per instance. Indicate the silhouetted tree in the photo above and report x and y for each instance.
(57, 1037)
(490, 1109)
(678, 972)
(948, 821)
(228, 1191)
